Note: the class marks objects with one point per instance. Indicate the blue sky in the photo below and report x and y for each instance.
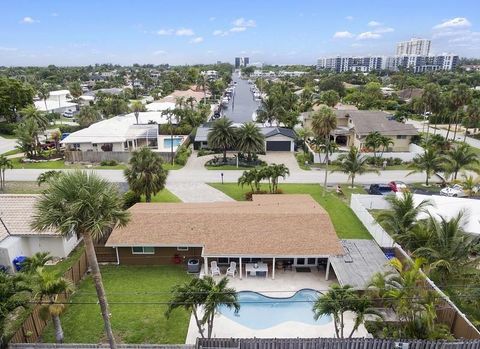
(41, 32)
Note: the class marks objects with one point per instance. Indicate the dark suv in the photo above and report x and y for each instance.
(380, 189)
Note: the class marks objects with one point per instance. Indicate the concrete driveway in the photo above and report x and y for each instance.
(7, 144)
(282, 157)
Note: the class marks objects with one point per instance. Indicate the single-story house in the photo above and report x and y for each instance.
(276, 138)
(353, 126)
(17, 238)
(269, 229)
(57, 102)
(159, 106)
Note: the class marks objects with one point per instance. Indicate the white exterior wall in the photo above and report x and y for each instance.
(89, 146)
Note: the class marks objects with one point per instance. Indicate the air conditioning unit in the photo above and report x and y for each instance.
(401, 345)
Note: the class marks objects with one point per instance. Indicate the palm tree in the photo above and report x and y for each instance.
(330, 98)
(223, 135)
(250, 139)
(431, 99)
(89, 206)
(362, 306)
(252, 178)
(145, 174)
(429, 162)
(459, 96)
(403, 213)
(373, 141)
(268, 111)
(27, 136)
(469, 184)
(36, 115)
(460, 157)
(44, 94)
(75, 90)
(190, 101)
(48, 287)
(136, 108)
(473, 113)
(449, 247)
(88, 115)
(385, 142)
(277, 171)
(38, 260)
(4, 165)
(324, 121)
(335, 302)
(304, 134)
(353, 164)
(217, 294)
(47, 176)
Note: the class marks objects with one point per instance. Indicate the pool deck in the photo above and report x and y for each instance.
(286, 283)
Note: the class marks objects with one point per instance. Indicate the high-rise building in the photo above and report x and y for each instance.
(358, 64)
(241, 62)
(414, 46)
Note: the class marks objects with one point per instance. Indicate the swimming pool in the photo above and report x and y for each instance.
(260, 312)
(167, 142)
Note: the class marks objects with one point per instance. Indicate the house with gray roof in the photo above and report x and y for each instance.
(353, 126)
(276, 138)
(17, 238)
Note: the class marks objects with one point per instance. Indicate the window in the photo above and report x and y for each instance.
(182, 248)
(143, 250)
(401, 137)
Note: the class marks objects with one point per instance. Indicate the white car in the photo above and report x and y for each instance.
(68, 114)
(455, 191)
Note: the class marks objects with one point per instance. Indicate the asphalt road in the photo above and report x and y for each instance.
(242, 106)
(6, 144)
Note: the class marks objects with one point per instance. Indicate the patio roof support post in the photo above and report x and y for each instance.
(273, 269)
(206, 265)
(240, 267)
(327, 271)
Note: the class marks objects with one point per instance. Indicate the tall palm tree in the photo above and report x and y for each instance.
(469, 183)
(250, 139)
(324, 121)
(268, 111)
(431, 99)
(145, 174)
(373, 141)
(48, 287)
(217, 294)
(385, 142)
(353, 164)
(89, 206)
(304, 134)
(330, 98)
(38, 260)
(473, 113)
(47, 176)
(4, 165)
(459, 97)
(223, 135)
(277, 171)
(190, 101)
(403, 213)
(44, 94)
(460, 157)
(429, 162)
(32, 113)
(136, 108)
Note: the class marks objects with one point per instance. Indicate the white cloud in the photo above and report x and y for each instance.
(238, 29)
(184, 32)
(349, 18)
(242, 22)
(368, 35)
(159, 52)
(28, 20)
(8, 49)
(343, 35)
(219, 32)
(383, 30)
(165, 32)
(457, 22)
(374, 24)
(196, 40)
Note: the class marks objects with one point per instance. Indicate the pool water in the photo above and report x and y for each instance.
(167, 142)
(260, 312)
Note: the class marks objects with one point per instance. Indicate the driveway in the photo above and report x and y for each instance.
(282, 157)
(7, 144)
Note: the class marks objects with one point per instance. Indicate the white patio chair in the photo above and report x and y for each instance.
(214, 269)
(232, 269)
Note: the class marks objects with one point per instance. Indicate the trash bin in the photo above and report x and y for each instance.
(193, 265)
(18, 261)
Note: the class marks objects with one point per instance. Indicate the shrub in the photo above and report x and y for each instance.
(109, 163)
(69, 128)
(182, 155)
(203, 152)
(7, 128)
(130, 199)
(248, 195)
(304, 157)
(177, 130)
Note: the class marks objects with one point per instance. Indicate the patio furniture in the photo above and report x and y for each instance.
(251, 269)
(232, 269)
(214, 269)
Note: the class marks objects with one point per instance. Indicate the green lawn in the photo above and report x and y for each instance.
(164, 196)
(347, 225)
(61, 267)
(3, 135)
(131, 323)
(227, 168)
(12, 152)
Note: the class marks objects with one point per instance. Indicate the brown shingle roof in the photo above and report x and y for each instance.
(367, 121)
(270, 225)
(16, 213)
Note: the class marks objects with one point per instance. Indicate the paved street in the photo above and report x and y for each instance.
(6, 144)
(242, 106)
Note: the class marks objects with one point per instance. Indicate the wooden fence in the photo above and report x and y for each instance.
(33, 326)
(98, 346)
(331, 343)
(99, 156)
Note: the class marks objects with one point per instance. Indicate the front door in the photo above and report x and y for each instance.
(307, 262)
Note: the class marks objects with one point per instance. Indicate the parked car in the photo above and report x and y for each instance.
(380, 189)
(398, 186)
(68, 114)
(454, 191)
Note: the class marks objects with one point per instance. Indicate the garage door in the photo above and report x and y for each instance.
(278, 146)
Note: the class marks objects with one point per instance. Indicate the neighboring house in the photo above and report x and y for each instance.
(193, 91)
(293, 229)
(90, 96)
(276, 138)
(159, 106)
(118, 134)
(17, 238)
(353, 126)
(57, 102)
(409, 93)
